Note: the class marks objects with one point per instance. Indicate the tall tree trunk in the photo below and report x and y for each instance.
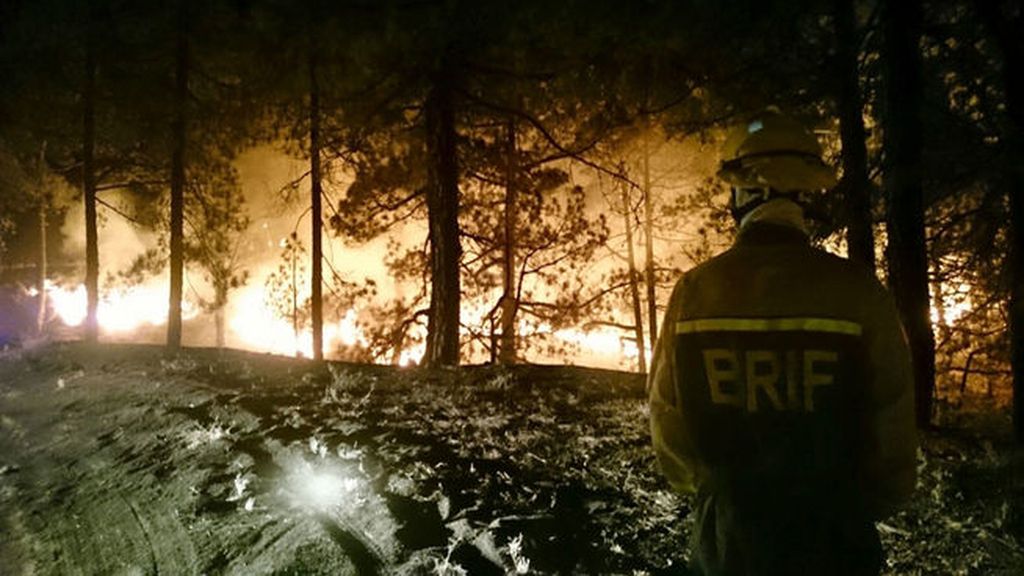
(509, 301)
(41, 269)
(397, 340)
(634, 280)
(855, 186)
(442, 345)
(92, 258)
(178, 179)
(1016, 302)
(221, 302)
(651, 277)
(44, 206)
(1005, 28)
(295, 302)
(316, 217)
(907, 251)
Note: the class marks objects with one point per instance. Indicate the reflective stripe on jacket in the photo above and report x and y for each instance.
(781, 392)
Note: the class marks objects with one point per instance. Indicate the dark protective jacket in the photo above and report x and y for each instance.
(781, 393)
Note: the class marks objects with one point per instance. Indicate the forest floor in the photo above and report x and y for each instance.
(119, 460)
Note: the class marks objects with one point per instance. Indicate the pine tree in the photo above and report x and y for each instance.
(442, 191)
(92, 262)
(1004, 21)
(216, 221)
(907, 251)
(855, 187)
(316, 190)
(179, 127)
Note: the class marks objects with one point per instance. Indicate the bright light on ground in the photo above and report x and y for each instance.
(322, 488)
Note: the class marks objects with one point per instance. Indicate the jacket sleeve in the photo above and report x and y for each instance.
(889, 433)
(672, 443)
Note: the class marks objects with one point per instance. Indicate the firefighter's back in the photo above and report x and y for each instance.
(771, 367)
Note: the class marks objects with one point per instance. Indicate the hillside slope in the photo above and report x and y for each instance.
(118, 460)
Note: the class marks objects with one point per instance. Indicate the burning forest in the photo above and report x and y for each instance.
(377, 287)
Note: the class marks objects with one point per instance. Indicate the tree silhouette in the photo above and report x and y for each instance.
(907, 252)
(1003, 21)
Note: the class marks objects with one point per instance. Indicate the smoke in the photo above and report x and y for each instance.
(265, 174)
(119, 240)
(277, 192)
(278, 209)
(276, 189)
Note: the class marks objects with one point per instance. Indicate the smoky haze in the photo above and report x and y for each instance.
(275, 206)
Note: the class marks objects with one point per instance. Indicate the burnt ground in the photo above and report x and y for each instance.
(119, 460)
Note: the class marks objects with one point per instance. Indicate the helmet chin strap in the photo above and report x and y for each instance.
(782, 211)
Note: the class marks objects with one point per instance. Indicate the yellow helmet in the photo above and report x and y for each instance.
(774, 152)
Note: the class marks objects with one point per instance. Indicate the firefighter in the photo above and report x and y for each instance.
(781, 389)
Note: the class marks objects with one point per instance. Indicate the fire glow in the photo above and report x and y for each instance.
(257, 327)
(119, 310)
(955, 304)
(253, 325)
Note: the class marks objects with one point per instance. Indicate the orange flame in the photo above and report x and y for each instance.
(955, 304)
(258, 328)
(119, 309)
(253, 325)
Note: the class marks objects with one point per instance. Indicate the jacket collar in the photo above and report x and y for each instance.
(777, 221)
(762, 233)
